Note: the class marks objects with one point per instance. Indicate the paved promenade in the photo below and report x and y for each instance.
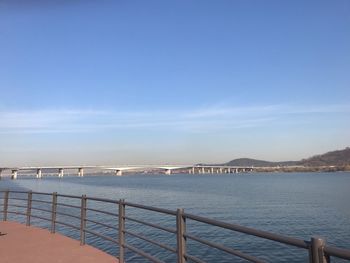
(19, 243)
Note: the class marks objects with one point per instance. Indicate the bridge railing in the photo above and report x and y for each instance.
(85, 215)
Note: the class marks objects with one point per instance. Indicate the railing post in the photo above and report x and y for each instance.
(53, 212)
(317, 254)
(6, 204)
(181, 239)
(121, 229)
(83, 220)
(29, 207)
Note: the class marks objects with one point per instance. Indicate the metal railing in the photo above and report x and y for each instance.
(316, 247)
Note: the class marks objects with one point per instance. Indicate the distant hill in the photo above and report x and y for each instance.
(261, 163)
(335, 158)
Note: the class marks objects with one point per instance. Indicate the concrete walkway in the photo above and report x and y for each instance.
(31, 244)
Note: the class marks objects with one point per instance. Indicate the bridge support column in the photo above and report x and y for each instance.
(203, 170)
(60, 172)
(14, 174)
(38, 174)
(228, 170)
(81, 172)
(193, 170)
(212, 170)
(168, 171)
(220, 170)
(118, 172)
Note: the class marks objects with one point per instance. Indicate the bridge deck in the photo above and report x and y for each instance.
(20, 243)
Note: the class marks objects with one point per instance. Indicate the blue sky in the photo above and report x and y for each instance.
(122, 82)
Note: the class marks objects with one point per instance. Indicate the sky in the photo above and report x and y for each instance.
(172, 82)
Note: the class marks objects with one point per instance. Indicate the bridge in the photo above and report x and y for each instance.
(167, 169)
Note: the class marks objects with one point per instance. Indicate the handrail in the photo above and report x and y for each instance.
(337, 252)
(67, 224)
(318, 251)
(167, 229)
(151, 208)
(40, 209)
(102, 224)
(223, 248)
(66, 214)
(105, 200)
(41, 201)
(150, 241)
(19, 199)
(250, 231)
(101, 211)
(141, 253)
(68, 205)
(101, 236)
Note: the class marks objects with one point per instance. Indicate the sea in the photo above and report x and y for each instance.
(299, 205)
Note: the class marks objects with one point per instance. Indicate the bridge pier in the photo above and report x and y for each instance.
(38, 174)
(168, 171)
(80, 172)
(60, 172)
(14, 174)
(118, 172)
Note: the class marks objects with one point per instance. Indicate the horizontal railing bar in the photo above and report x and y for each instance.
(101, 236)
(151, 208)
(141, 253)
(65, 214)
(151, 241)
(15, 198)
(15, 191)
(101, 211)
(103, 200)
(193, 258)
(41, 201)
(40, 193)
(170, 230)
(69, 196)
(17, 213)
(66, 224)
(67, 205)
(251, 231)
(21, 206)
(41, 217)
(337, 252)
(226, 249)
(102, 224)
(40, 209)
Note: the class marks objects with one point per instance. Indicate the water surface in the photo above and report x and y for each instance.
(294, 204)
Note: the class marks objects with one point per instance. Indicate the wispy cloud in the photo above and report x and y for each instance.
(204, 119)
